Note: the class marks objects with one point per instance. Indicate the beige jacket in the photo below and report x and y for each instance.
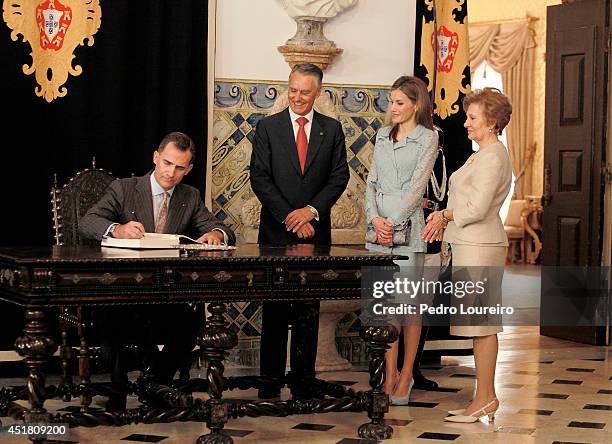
(477, 191)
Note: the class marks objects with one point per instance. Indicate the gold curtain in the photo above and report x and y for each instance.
(510, 48)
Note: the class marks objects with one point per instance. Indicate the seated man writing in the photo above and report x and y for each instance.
(156, 202)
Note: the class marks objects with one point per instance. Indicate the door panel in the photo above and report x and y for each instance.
(576, 107)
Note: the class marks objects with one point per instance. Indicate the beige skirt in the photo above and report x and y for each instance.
(473, 257)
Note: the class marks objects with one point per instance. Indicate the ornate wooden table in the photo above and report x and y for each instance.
(42, 278)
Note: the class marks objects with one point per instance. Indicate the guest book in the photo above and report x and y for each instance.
(161, 241)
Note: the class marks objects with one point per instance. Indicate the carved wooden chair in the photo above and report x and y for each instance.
(514, 226)
(68, 204)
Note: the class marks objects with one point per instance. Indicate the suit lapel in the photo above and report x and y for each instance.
(144, 203)
(317, 133)
(175, 211)
(288, 140)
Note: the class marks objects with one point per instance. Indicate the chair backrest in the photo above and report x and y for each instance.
(513, 218)
(71, 201)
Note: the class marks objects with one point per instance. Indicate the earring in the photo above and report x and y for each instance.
(490, 130)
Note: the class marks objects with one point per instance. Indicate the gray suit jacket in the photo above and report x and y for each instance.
(131, 199)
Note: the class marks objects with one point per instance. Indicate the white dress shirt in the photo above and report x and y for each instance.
(296, 126)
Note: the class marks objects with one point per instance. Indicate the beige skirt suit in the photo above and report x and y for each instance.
(478, 241)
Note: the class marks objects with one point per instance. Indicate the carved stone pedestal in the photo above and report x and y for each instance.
(309, 45)
(328, 358)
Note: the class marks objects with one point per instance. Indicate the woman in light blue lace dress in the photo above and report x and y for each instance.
(404, 156)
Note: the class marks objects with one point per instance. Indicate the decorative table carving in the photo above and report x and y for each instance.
(40, 278)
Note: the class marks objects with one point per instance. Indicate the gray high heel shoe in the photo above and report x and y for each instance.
(402, 400)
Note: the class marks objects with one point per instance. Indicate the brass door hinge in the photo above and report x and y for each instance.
(606, 172)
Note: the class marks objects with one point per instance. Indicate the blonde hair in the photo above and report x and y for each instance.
(495, 106)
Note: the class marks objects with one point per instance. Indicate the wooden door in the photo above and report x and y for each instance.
(576, 109)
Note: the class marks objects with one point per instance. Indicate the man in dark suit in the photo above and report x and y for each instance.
(155, 202)
(132, 206)
(298, 171)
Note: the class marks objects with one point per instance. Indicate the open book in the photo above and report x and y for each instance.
(163, 241)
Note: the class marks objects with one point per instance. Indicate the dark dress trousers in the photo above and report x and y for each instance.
(278, 182)
(174, 325)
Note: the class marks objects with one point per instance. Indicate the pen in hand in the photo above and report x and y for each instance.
(137, 224)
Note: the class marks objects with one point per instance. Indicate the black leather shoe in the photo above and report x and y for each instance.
(302, 395)
(268, 393)
(422, 383)
(116, 404)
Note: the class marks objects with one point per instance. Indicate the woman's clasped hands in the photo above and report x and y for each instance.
(384, 231)
(434, 230)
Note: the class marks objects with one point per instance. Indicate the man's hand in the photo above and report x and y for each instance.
(384, 231)
(306, 231)
(131, 230)
(297, 218)
(211, 238)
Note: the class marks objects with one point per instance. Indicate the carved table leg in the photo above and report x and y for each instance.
(36, 346)
(84, 364)
(216, 339)
(377, 338)
(66, 355)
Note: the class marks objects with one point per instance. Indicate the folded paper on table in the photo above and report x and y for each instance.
(161, 241)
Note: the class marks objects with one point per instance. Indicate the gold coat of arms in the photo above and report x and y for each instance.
(453, 55)
(53, 28)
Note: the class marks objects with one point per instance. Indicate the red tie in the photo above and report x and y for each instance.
(302, 142)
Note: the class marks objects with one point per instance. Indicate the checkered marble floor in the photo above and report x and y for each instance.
(551, 391)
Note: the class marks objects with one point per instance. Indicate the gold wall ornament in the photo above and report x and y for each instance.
(53, 28)
(453, 55)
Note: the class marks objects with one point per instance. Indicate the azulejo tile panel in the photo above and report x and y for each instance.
(238, 106)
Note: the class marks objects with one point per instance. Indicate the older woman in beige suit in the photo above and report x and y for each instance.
(471, 224)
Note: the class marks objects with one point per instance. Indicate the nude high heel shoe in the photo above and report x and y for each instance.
(476, 415)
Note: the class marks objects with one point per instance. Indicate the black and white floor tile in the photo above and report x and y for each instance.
(551, 391)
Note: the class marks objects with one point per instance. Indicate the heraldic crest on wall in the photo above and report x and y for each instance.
(453, 54)
(53, 28)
